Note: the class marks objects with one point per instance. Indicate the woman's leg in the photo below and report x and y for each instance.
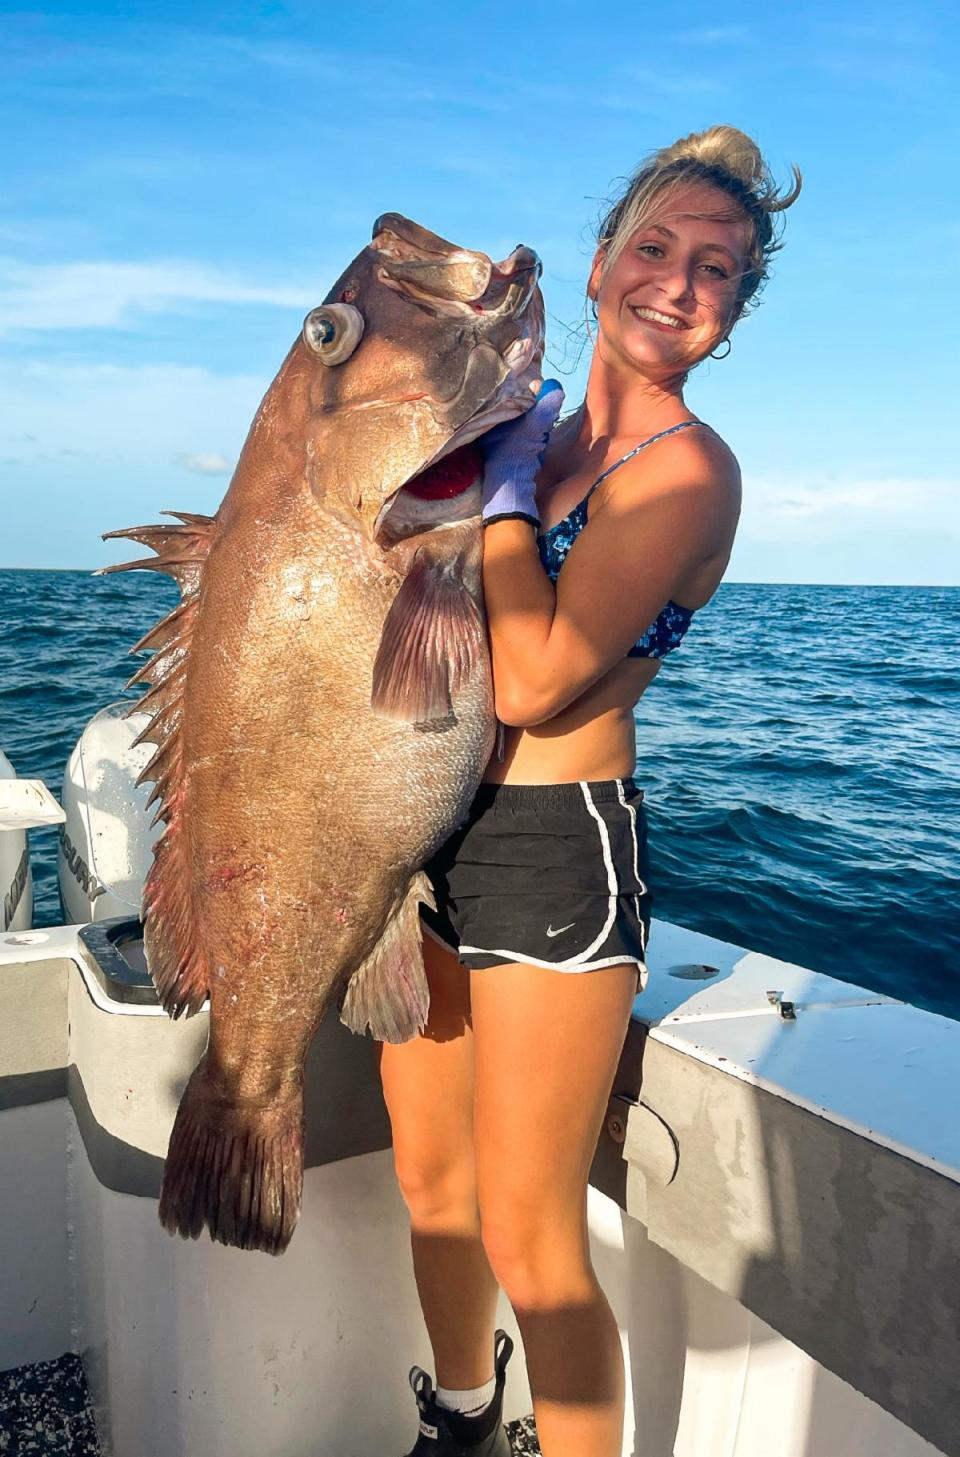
(428, 1087)
(546, 1047)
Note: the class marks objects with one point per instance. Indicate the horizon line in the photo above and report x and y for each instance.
(725, 582)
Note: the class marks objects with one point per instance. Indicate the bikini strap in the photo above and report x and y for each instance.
(684, 425)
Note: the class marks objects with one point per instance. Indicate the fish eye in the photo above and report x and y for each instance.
(333, 331)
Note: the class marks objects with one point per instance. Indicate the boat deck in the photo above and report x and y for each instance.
(45, 1411)
(772, 1210)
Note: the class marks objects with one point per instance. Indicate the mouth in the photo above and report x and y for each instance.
(447, 490)
(659, 319)
(499, 378)
(503, 291)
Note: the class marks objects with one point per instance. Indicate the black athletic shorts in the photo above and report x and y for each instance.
(553, 875)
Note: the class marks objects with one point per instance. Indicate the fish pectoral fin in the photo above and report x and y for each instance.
(388, 992)
(433, 639)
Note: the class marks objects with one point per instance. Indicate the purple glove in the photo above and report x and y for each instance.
(513, 453)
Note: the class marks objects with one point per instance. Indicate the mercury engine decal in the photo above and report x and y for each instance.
(12, 898)
(79, 868)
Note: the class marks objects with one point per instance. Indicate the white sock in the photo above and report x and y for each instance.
(469, 1403)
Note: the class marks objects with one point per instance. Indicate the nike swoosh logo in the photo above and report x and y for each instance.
(557, 932)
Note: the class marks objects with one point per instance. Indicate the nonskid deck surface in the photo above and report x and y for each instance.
(45, 1412)
(523, 1438)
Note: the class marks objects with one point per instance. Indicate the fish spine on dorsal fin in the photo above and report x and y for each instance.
(173, 947)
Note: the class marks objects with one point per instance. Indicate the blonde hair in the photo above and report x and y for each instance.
(730, 161)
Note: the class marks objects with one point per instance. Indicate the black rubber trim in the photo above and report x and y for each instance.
(119, 981)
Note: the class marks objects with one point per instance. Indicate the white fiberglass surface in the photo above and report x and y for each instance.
(121, 848)
(888, 1071)
(27, 804)
(694, 976)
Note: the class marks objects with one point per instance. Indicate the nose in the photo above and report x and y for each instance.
(676, 283)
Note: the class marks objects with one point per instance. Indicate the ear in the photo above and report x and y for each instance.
(596, 271)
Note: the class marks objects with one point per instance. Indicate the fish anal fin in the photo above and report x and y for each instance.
(172, 942)
(388, 993)
(432, 641)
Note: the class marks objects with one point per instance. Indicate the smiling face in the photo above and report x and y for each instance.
(669, 297)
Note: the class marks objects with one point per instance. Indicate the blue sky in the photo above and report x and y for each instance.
(182, 183)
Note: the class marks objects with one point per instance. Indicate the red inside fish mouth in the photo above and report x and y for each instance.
(449, 477)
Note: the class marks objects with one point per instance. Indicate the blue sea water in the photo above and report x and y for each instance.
(800, 755)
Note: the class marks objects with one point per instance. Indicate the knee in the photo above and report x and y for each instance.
(440, 1192)
(537, 1265)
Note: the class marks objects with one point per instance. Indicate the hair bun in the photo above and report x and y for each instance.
(731, 151)
(721, 146)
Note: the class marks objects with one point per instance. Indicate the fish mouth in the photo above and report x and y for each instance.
(451, 281)
(401, 515)
(500, 378)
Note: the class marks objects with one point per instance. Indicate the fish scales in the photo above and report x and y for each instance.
(321, 703)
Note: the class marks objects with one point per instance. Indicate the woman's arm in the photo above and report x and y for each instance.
(640, 544)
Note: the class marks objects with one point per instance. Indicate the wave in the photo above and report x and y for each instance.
(802, 791)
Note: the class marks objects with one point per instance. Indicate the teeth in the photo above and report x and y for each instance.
(645, 313)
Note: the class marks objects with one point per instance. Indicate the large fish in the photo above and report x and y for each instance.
(321, 701)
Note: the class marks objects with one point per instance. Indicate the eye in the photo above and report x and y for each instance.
(333, 331)
(653, 248)
(715, 270)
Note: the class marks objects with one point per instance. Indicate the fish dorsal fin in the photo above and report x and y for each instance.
(172, 943)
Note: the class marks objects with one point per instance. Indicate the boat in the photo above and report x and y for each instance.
(774, 1204)
(24, 804)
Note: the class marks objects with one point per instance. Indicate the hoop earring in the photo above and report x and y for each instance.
(586, 317)
(729, 347)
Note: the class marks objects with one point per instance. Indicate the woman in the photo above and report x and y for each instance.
(496, 1109)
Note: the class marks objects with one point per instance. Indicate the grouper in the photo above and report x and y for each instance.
(321, 701)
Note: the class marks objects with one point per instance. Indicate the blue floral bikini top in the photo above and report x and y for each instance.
(667, 632)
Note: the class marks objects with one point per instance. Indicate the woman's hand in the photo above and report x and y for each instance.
(513, 453)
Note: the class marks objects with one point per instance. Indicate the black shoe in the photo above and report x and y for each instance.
(446, 1433)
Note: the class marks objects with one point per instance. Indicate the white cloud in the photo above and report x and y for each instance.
(206, 463)
(111, 294)
(651, 85)
(715, 35)
(153, 413)
(785, 509)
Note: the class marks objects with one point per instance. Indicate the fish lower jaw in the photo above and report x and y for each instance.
(397, 507)
(409, 516)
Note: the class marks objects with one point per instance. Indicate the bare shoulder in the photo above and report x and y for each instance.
(696, 466)
(709, 451)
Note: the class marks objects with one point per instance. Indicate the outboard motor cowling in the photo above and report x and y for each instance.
(106, 844)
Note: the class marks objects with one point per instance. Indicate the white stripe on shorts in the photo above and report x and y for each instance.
(633, 830)
(581, 961)
(525, 959)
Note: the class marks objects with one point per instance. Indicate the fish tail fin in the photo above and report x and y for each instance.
(234, 1168)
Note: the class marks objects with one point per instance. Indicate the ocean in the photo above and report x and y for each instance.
(800, 755)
